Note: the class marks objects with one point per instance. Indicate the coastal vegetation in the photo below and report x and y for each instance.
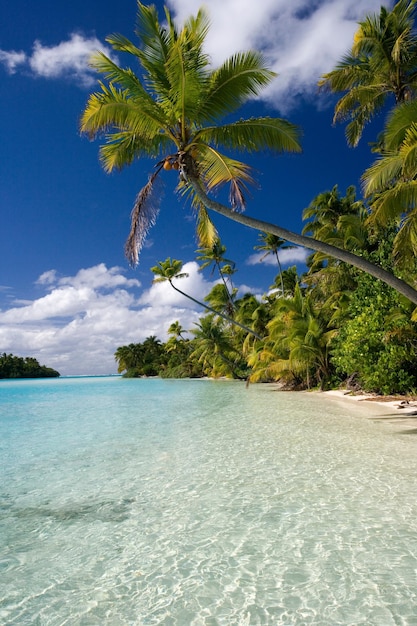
(332, 325)
(24, 367)
(351, 316)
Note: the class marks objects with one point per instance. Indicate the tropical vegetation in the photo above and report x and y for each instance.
(332, 325)
(12, 366)
(350, 318)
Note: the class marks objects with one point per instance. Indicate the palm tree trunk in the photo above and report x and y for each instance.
(280, 273)
(229, 297)
(209, 308)
(308, 242)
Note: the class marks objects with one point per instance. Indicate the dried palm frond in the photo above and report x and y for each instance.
(143, 217)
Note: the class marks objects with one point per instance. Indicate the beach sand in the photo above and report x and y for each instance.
(398, 410)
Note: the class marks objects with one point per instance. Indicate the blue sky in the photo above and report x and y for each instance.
(67, 294)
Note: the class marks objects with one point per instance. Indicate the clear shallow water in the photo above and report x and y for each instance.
(201, 503)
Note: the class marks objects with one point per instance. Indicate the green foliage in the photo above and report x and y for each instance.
(18, 367)
(379, 341)
(328, 325)
(380, 66)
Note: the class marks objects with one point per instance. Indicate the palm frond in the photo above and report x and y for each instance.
(123, 148)
(206, 231)
(391, 204)
(115, 108)
(123, 44)
(381, 174)
(408, 152)
(401, 118)
(239, 78)
(125, 78)
(186, 76)
(217, 169)
(155, 40)
(143, 217)
(350, 71)
(254, 134)
(405, 243)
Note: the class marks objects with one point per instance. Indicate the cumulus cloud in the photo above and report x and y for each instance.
(79, 321)
(67, 59)
(194, 284)
(287, 256)
(301, 39)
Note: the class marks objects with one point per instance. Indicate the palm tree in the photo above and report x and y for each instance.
(326, 209)
(337, 220)
(169, 112)
(128, 357)
(213, 349)
(228, 270)
(251, 312)
(289, 280)
(381, 63)
(299, 343)
(214, 255)
(172, 112)
(169, 270)
(176, 330)
(271, 244)
(221, 300)
(391, 182)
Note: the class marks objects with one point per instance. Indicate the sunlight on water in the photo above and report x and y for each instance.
(142, 502)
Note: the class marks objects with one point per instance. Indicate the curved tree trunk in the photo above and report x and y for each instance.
(307, 242)
(219, 313)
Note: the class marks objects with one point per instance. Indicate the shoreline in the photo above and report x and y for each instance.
(401, 411)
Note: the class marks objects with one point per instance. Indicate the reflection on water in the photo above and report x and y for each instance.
(139, 502)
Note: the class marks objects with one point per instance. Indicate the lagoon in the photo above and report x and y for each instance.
(202, 503)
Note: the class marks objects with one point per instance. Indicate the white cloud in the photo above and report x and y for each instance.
(195, 285)
(301, 39)
(81, 320)
(67, 59)
(287, 256)
(12, 59)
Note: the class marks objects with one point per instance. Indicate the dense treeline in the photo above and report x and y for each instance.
(24, 367)
(332, 325)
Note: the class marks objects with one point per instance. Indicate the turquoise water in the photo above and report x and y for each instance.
(202, 503)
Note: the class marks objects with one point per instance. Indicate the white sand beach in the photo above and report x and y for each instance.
(394, 409)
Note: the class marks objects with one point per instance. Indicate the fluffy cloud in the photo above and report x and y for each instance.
(81, 320)
(301, 39)
(287, 256)
(67, 59)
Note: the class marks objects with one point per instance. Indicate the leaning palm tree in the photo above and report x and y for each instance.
(170, 269)
(271, 244)
(174, 112)
(381, 63)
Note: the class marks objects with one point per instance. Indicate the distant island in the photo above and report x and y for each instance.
(18, 367)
